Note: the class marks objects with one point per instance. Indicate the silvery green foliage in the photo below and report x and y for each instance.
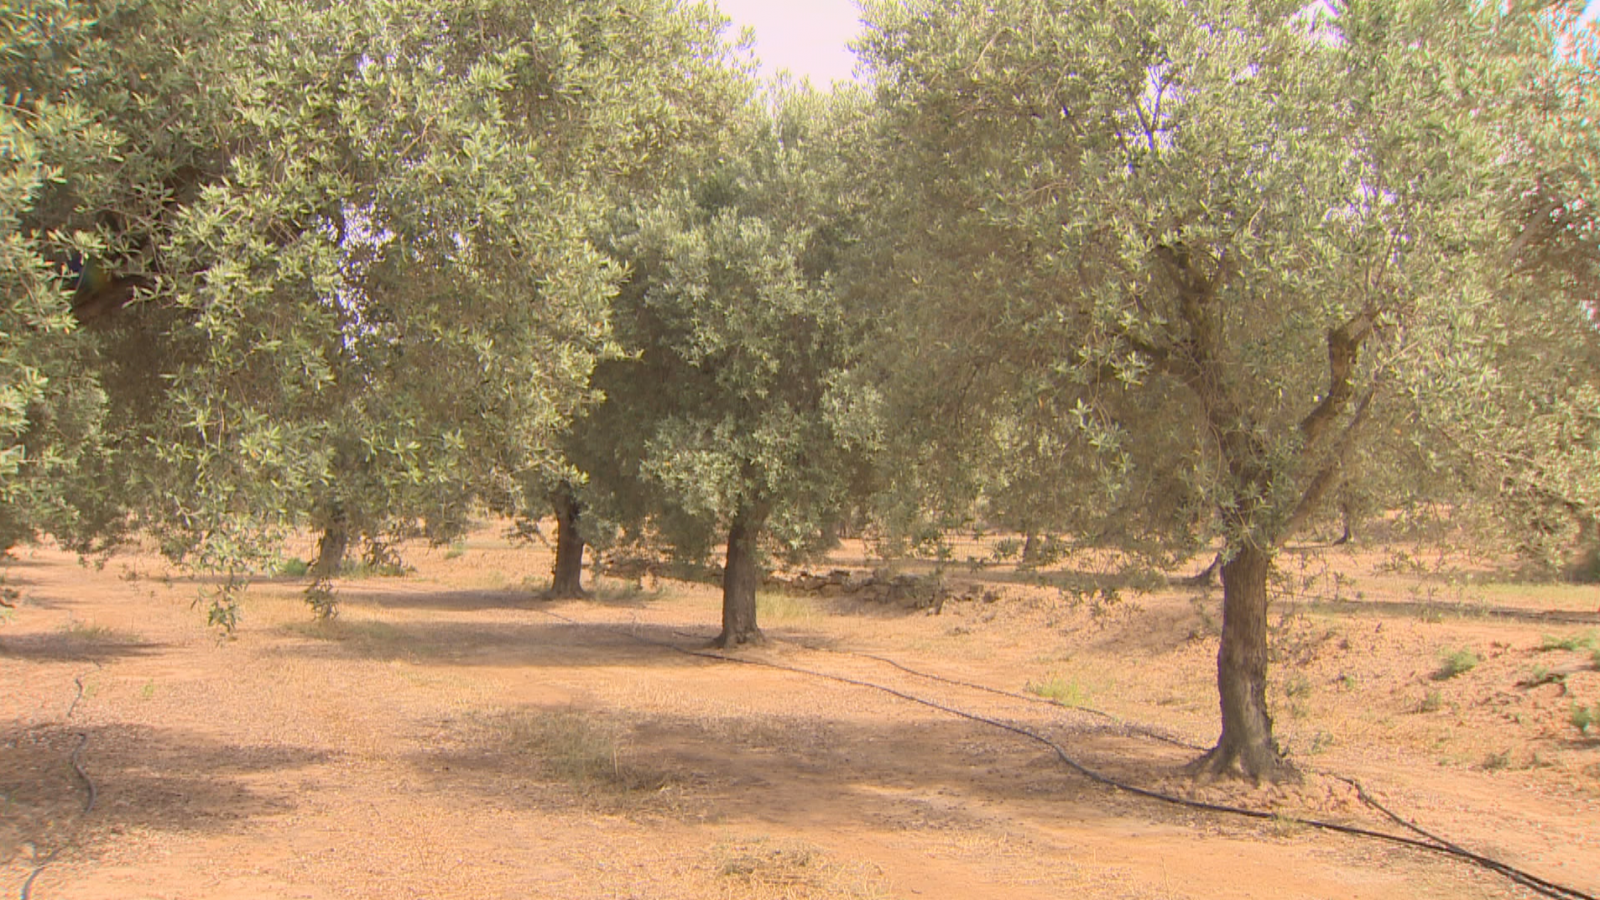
(1189, 253)
(355, 236)
(741, 391)
(51, 408)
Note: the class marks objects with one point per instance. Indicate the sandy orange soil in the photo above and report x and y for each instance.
(451, 735)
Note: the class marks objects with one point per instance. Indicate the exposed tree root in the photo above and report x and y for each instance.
(727, 641)
(1236, 762)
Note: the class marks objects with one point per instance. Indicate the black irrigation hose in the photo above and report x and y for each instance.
(1533, 882)
(27, 886)
(83, 741)
(1515, 875)
(77, 768)
(1000, 692)
(1030, 698)
(1432, 843)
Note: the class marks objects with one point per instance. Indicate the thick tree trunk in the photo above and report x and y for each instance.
(1030, 547)
(567, 577)
(331, 549)
(1583, 565)
(740, 578)
(1246, 746)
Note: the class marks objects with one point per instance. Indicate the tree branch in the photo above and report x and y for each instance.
(1328, 475)
(1344, 349)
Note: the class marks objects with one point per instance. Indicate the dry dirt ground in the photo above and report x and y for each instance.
(450, 735)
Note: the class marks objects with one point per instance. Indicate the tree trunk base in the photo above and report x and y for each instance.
(566, 577)
(727, 641)
(552, 593)
(1234, 763)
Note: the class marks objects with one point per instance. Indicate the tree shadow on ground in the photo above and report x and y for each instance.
(480, 600)
(1433, 610)
(146, 778)
(1066, 578)
(93, 645)
(909, 776)
(525, 644)
(446, 601)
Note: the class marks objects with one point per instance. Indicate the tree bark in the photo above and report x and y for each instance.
(566, 581)
(740, 577)
(1246, 746)
(331, 548)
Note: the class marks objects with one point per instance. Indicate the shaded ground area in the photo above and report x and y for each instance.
(451, 736)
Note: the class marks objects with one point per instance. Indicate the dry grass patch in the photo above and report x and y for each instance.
(775, 608)
(757, 868)
(77, 631)
(570, 745)
(580, 748)
(371, 635)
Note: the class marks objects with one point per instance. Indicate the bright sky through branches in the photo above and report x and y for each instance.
(807, 37)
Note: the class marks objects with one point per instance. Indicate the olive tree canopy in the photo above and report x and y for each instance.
(1212, 241)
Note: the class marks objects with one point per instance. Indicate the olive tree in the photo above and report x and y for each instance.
(344, 242)
(738, 412)
(1221, 237)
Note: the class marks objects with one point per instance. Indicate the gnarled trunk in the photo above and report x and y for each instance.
(567, 577)
(1246, 746)
(740, 578)
(331, 549)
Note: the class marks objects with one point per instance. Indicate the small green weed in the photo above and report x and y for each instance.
(1297, 685)
(294, 568)
(1543, 675)
(1431, 702)
(1495, 762)
(148, 691)
(1585, 641)
(1455, 662)
(456, 550)
(1065, 691)
(1586, 718)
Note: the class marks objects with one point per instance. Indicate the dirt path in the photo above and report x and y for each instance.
(451, 737)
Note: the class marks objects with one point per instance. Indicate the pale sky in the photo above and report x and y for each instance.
(807, 37)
